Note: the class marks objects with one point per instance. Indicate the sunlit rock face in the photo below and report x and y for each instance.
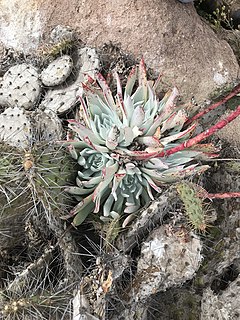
(20, 24)
(169, 35)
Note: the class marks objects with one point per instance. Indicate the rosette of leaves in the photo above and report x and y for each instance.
(120, 143)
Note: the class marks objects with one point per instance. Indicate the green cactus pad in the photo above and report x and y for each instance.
(193, 205)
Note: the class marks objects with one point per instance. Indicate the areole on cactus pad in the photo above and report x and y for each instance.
(128, 146)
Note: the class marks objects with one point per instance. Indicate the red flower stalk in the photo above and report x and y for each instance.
(232, 94)
(191, 142)
(224, 195)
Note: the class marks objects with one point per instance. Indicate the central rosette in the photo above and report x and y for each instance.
(125, 190)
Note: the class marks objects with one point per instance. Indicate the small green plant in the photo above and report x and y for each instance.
(131, 146)
(194, 206)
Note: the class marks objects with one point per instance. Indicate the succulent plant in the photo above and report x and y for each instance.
(120, 146)
(21, 86)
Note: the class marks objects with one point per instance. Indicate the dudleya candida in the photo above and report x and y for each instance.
(119, 145)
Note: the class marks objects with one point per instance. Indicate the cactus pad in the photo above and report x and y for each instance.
(19, 129)
(63, 99)
(60, 100)
(88, 63)
(15, 127)
(57, 71)
(193, 205)
(21, 86)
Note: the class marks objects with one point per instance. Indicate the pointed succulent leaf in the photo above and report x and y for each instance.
(142, 79)
(138, 117)
(156, 163)
(113, 138)
(83, 131)
(106, 91)
(179, 135)
(79, 191)
(176, 121)
(116, 181)
(130, 82)
(107, 177)
(129, 219)
(149, 142)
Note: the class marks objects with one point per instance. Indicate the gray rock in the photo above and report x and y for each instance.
(171, 37)
(186, 1)
(224, 306)
(166, 260)
(62, 33)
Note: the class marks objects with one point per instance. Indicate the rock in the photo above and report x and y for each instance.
(170, 36)
(230, 132)
(60, 33)
(166, 260)
(57, 71)
(186, 1)
(20, 24)
(21, 86)
(224, 306)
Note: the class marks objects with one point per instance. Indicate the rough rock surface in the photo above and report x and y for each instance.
(159, 272)
(231, 132)
(223, 306)
(170, 35)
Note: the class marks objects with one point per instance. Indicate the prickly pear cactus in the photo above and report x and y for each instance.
(88, 63)
(57, 71)
(52, 170)
(63, 99)
(19, 128)
(15, 198)
(167, 259)
(31, 177)
(15, 127)
(2, 98)
(21, 86)
(193, 204)
(32, 296)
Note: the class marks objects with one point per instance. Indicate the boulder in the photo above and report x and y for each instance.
(170, 36)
